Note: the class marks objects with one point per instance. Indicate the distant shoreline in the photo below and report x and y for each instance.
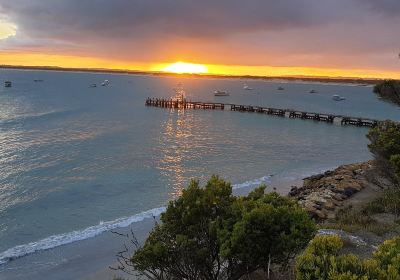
(347, 80)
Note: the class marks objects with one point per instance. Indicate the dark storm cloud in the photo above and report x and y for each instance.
(121, 18)
(384, 7)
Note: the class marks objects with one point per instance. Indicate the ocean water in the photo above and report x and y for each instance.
(77, 161)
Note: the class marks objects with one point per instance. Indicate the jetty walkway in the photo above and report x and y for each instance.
(295, 114)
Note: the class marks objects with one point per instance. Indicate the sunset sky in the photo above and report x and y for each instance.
(353, 38)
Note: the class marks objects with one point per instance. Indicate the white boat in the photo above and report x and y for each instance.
(338, 97)
(105, 83)
(246, 87)
(7, 84)
(93, 85)
(281, 88)
(221, 93)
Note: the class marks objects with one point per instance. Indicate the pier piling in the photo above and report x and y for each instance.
(292, 114)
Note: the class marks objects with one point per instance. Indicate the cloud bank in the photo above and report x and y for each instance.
(332, 33)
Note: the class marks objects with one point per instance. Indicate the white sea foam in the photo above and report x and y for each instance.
(70, 237)
(252, 183)
(66, 238)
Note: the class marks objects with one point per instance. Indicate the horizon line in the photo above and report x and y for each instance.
(203, 75)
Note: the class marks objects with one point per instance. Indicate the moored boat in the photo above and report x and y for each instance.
(338, 97)
(105, 83)
(246, 87)
(221, 93)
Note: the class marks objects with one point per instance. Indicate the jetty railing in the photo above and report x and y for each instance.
(290, 113)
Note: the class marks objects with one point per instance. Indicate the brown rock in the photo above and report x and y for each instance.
(321, 214)
(330, 205)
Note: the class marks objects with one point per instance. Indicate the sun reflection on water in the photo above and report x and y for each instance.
(176, 140)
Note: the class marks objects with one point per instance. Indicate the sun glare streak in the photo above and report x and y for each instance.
(184, 67)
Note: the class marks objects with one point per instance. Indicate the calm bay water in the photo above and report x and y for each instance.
(76, 161)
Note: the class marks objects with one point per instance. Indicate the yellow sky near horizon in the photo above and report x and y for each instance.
(69, 61)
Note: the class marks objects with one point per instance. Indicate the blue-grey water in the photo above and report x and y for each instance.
(76, 161)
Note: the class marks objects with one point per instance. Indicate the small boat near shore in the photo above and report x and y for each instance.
(336, 97)
(246, 87)
(313, 91)
(280, 88)
(7, 84)
(221, 93)
(105, 83)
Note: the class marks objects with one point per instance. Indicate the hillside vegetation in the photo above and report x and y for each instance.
(389, 90)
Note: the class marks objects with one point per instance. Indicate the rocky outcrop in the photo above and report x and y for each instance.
(321, 195)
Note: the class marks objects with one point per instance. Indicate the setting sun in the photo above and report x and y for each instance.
(184, 67)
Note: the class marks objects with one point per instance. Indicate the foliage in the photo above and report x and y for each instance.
(389, 90)
(385, 145)
(322, 260)
(267, 229)
(208, 233)
(317, 260)
(389, 202)
(354, 220)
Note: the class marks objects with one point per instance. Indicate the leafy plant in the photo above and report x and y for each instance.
(322, 260)
(389, 90)
(385, 145)
(208, 233)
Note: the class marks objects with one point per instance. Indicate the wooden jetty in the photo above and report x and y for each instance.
(294, 114)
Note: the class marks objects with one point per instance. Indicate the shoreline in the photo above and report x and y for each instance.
(106, 273)
(89, 259)
(310, 79)
(284, 188)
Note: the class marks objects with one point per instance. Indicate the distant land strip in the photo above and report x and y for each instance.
(320, 79)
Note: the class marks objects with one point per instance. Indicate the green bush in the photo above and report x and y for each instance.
(389, 90)
(208, 233)
(321, 260)
(385, 146)
(318, 259)
(388, 202)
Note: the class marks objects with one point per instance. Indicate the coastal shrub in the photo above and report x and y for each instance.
(353, 219)
(208, 233)
(267, 229)
(385, 146)
(322, 260)
(318, 260)
(388, 202)
(388, 90)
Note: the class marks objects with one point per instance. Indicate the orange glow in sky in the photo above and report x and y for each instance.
(42, 59)
(276, 40)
